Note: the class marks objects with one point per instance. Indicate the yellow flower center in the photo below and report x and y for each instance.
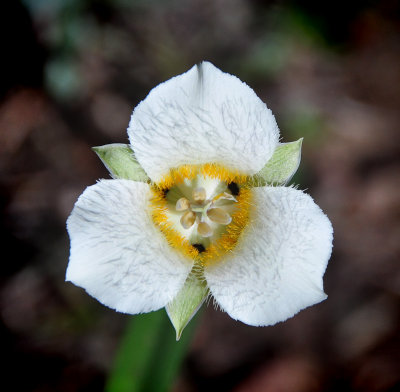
(202, 210)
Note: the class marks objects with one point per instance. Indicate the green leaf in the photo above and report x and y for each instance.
(188, 301)
(120, 161)
(282, 165)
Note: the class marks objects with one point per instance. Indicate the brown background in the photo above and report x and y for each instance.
(72, 71)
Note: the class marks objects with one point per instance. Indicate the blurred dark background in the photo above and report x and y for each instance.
(71, 73)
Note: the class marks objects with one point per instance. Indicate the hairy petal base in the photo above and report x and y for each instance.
(277, 269)
(117, 254)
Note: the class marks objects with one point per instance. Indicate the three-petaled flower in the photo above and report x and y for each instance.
(204, 214)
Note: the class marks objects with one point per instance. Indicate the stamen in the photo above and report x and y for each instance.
(182, 204)
(204, 229)
(220, 195)
(199, 195)
(188, 219)
(218, 215)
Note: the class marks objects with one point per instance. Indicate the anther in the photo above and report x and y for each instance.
(188, 219)
(204, 229)
(182, 204)
(199, 195)
(218, 215)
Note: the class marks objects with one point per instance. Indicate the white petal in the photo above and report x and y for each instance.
(203, 115)
(117, 254)
(278, 266)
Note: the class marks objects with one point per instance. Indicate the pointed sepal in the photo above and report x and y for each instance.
(188, 301)
(120, 161)
(281, 167)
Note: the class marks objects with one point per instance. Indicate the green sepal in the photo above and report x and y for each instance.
(188, 301)
(281, 167)
(120, 161)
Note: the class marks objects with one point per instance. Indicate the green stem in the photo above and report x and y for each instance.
(148, 358)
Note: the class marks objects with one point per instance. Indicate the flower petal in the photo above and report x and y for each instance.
(278, 266)
(117, 254)
(201, 116)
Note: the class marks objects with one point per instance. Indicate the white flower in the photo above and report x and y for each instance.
(262, 250)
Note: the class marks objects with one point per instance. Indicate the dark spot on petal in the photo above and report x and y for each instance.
(200, 248)
(165, 192)
(234, 188)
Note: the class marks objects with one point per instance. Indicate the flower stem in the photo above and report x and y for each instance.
(148, 358)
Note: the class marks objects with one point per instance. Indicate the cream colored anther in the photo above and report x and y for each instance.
(188, 219)
(199, 195)
(204, 229)
(182, 204)
(218, 215)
